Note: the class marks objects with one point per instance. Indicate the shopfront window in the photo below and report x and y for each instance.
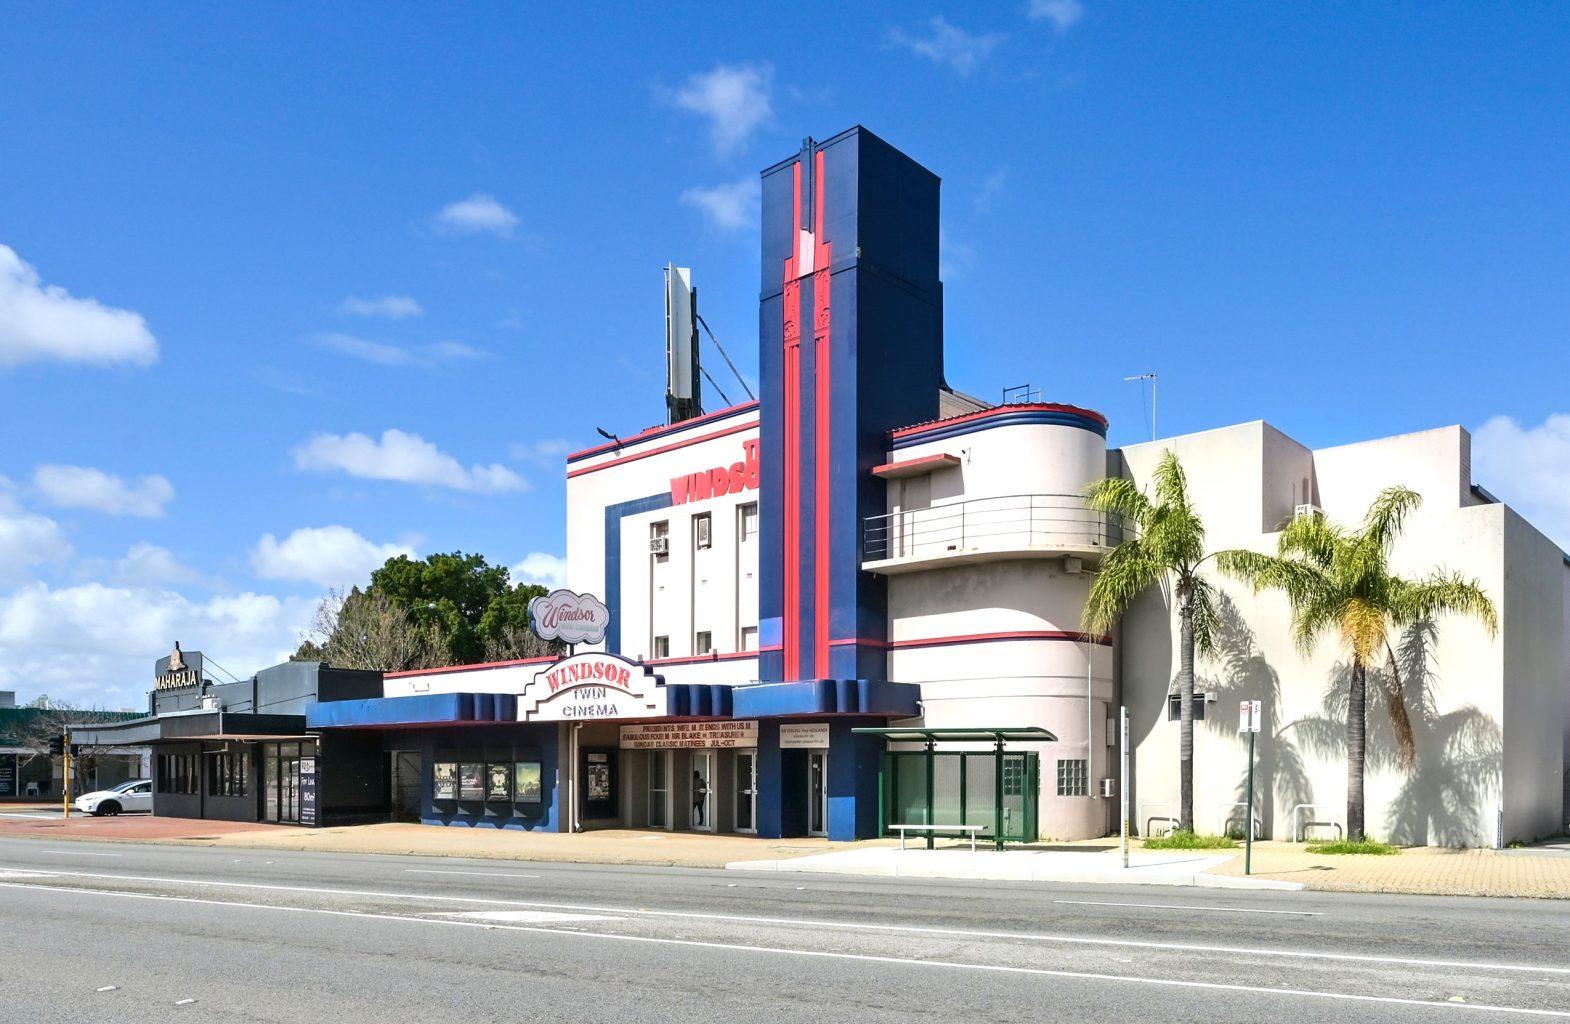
(177, 773)
(228, 772)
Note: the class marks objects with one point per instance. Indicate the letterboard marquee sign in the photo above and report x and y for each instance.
(689, 735)
(590, 687)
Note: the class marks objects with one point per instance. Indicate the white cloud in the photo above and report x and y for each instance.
(26, 538)
(727, 207)
(735, 99)
(93, 489)
(550, 452)
(541, 569)
(1061, 13)
(949, 44)
(393, 307)
(993, 187)
(333, 556)
(382, 354)
(41, 322)
(147, 564)
(403, 457)
(95, 644)
(1528, 467)
(479, 214)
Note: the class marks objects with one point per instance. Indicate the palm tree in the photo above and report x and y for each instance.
(1340, 581)
(1166, 542)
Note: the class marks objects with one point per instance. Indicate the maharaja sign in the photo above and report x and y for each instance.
(592, 687)
(721, 480)
(179, 670)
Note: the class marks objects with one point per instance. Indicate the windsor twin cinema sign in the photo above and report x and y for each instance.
(591, 687)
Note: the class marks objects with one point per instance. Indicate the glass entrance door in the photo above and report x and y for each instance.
(659, 789)
(281, 783)
(817, 792)
(702, 792)
(746, 790)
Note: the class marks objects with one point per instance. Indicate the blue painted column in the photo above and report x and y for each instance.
(771, 774)
(853, 780)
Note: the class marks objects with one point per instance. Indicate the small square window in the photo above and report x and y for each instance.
(1073, 777)
(749, 521)
(749, 638)
(703, 643)
(702, 531)
(1175, 707)
(662, 647)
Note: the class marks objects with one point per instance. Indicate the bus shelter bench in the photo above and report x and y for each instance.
(946, 831)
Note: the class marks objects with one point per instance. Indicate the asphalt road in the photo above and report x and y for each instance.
(130, 933)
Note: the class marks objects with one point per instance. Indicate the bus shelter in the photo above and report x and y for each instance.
(993, 793)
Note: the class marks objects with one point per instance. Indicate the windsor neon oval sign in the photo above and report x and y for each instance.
(719, 481)
(569, 617)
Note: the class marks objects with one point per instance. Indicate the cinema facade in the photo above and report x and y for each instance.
(857, 601)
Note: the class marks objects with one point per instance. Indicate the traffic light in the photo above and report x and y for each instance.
(56, 746)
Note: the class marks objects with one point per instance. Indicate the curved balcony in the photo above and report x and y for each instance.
(988, 529)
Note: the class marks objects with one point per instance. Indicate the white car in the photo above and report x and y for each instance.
(136, 795)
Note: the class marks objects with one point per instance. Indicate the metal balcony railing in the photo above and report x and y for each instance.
(1049, 522)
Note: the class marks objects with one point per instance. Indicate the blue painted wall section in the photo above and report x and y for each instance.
(881, 345)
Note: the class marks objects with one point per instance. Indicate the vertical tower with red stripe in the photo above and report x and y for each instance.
(851, 346)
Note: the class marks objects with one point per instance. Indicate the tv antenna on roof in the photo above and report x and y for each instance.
(1151, 377)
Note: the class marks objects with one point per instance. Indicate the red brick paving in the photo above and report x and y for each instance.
(130, 827)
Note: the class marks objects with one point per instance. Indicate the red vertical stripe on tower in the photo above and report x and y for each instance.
(823, 409)
(791, 513)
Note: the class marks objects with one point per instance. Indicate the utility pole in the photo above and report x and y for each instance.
(1123, 782)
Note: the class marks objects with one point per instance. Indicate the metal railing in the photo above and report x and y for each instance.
(1008, 522)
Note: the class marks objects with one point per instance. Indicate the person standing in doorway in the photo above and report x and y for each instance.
(700, 798)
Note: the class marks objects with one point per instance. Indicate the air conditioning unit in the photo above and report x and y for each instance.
(659, 545)
(209, 703)
(1305, 511)
(1109, 787)
(1073, 566)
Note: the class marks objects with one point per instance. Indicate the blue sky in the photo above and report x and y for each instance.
(245, 243)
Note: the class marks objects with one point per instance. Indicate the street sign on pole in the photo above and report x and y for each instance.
(1123, 784)
(1250, 713)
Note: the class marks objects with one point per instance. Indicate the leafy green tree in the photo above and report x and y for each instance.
(1164, 541)
(447, 592)
(1339, 581)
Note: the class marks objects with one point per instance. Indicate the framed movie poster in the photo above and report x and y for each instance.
(498, 782)
(526, 782)
(599, 777)
(471, 782)
(446, 780)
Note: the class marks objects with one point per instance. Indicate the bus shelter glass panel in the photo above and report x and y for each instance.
(963, 790)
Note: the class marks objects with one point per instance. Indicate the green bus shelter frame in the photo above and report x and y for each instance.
(930, 738)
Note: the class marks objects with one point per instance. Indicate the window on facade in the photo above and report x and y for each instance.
(177, 773)
(660, 541)
(749, 521)
(1175, 707)
(1073, 777)
(702, 531)
(228, 772)
(662, 647)
(749, 638)
(703, 643)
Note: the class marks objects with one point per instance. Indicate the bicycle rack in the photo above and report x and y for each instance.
(1163, 805)
(1301, 835)
(1227, 817)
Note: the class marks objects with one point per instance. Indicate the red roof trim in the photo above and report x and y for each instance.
(661, 450)
(915, 467)
(699, 659)
(976, 638)
(998, 410)
(445, 669)
(653, 432)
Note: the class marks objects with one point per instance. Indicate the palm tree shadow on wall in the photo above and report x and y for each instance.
(1243, 673)
(1456, 755)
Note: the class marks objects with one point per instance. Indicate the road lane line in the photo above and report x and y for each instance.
(1088, 940)
(1173, 906)
(480, 874)
(82, 853)
(1042, 972)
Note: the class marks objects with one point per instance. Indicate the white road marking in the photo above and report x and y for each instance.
(526, 916)
(106, 988)
(1086, 940)
(1173, 906)
(479, 874)
(18, 814)
(84, 853)
(1040, 972)
(184, 1002)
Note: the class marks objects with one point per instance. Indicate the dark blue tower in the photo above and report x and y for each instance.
(850, 347)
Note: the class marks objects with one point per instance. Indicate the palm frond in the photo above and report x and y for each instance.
(1387, 514)
(1125, 573)
(1206, 622)
(1118, 496)
(1298, 580)
(1311, 538)
(1443, 594)
(1395, 704)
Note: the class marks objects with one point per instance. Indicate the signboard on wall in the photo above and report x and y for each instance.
(689, 735)
(570, 617)
(592, 687)
(8, 775)
(308, 789)
(801, 736)
(720, 480)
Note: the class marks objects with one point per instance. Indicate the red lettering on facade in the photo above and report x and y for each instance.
(719, 481)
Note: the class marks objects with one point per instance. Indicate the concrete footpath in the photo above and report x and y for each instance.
(1532, 872)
